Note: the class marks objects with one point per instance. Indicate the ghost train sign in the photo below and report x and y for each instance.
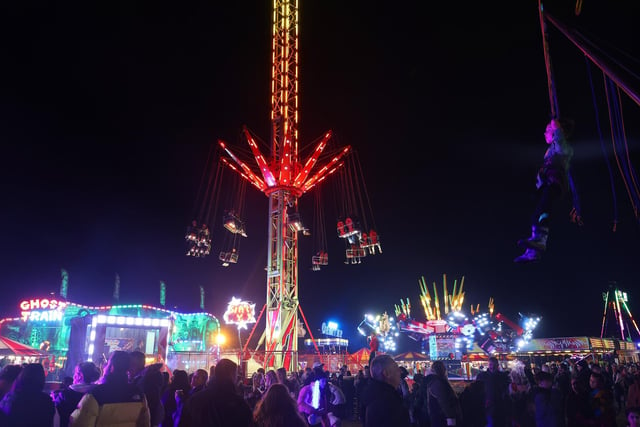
(42, 310)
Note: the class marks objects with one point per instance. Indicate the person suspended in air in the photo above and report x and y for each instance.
(552, 183)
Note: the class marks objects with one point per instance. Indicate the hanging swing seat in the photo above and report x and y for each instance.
(348, 228)
(295, 222)
(234, 224)
(198, 240)
(199, 250)
(228, 258)
(321, 258)
(354, 254)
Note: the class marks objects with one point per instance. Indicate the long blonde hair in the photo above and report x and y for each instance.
(278, 409)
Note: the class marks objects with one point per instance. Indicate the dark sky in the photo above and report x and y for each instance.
(108, 112)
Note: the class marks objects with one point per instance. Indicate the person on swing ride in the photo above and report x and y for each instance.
(552, 183)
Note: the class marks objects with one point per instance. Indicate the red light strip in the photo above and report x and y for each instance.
(304, 173)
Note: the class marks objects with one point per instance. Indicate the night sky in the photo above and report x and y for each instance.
(109, 110)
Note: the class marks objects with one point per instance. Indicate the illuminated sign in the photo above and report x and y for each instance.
(331, 328)
(42, 310)
(240, 313)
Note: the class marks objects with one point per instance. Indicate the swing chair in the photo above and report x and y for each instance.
(232, 222)
(355, 213)
(198, 235)
(321, 257)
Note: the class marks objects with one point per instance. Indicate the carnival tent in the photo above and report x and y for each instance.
(9, 347)
(410, 356)
(360, 357)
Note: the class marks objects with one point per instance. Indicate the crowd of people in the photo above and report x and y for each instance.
(566, 394)
(125, 392)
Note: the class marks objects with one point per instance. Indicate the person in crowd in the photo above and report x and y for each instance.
(198, 381)
(602, 401)
(337, 402)
(419, 410)
(373, 345)
(282, 379)
(166, 379)
(278, 409)
(583, 372)
(381, 401)
(443, 404)
(622, 381)
(472, 403)
(496, 394)
(27, 405)
(562, 380)
(220, 404)
(150, 381)
(633, 395)
(577, 408)
(405, 392)
(114, 400)
(361, 382)
(552, 183)
(256, 392)
(212, 374)
(314, 399)
(522, 380)
(8, 376)
(179, 384)
(633, 416)
(270, 378)
(66, 383)
(548, 402)
(346, 382)
(66, 400)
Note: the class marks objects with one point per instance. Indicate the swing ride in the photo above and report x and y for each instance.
(619, 78)
(284, 176)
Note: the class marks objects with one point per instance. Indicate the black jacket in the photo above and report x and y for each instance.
(442, 401)
(382, 405)
(218, 405)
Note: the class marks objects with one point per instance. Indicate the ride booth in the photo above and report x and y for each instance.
(70, 333)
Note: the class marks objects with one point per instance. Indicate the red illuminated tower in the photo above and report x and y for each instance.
(284, 178)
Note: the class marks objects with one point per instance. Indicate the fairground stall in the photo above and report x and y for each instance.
(542, 350)
(68, 333)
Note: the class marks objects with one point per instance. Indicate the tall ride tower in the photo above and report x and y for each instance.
(617, 312)
(284, 178)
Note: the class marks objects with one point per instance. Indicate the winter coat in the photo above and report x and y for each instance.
(26, 409)
(113, 403)
(66, 401)
(633, 395)
(443, 404)
(383, 407)
(150, 382)
(549, 408)
(496, 393)
(218, 405)
(555, 167)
